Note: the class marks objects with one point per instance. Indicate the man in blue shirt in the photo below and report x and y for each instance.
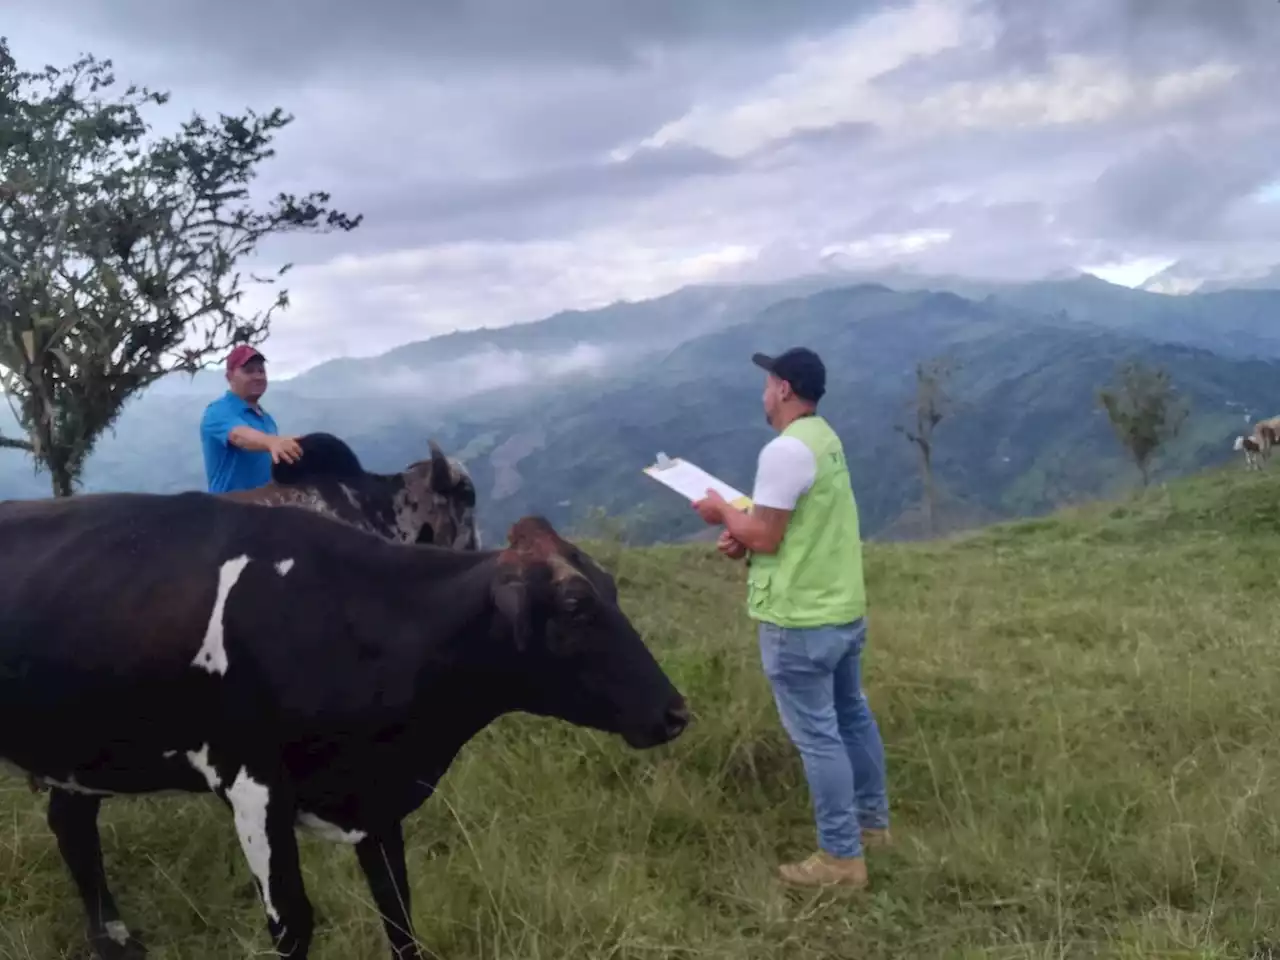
(240, 439)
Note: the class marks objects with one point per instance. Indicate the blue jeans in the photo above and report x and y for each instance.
(816, 678)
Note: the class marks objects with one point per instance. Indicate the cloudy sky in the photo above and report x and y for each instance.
(516, 157)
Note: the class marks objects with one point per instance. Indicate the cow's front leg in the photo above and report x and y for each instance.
(264, 815)
(381, 858)
(73, 818)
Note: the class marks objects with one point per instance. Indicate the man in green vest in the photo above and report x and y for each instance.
(805, 589)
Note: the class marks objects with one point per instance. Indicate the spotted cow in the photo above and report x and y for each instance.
(307, 673)
(1252, 451)
(430, 501)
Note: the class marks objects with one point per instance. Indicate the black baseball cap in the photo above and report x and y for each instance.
(800, 367)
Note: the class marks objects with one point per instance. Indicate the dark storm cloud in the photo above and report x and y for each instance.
(1180, 174)
(1141, 29)
(1146, 35)
(847, 136)
(420, 210)
(525, 207)
(1175, 190)
(289, 38)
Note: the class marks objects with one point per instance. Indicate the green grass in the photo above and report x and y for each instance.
(1081, 720)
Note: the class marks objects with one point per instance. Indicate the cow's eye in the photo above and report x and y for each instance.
(466, 492)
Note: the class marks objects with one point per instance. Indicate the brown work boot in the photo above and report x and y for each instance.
(876, 837)
(822, 869)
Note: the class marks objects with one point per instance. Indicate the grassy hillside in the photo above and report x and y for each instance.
(1084, 762)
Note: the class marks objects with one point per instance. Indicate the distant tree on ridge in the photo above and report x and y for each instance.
(932, 404)
(1145, 412)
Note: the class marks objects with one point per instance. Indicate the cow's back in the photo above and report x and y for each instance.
(143, 626)
(106, 579)
(161, 590)
(103, 602)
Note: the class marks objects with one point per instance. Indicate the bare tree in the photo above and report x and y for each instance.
(1145, 412)
(932, 404)
(119, 253)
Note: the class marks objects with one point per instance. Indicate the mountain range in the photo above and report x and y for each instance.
(559, 416)
(1187, 277)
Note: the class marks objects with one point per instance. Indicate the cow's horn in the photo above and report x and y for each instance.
(441, 474)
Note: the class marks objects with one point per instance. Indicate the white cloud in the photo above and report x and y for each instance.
(833, 81)
(489, 369)
(364, 305)
(881, 246)
(827, 82)
(1076, 89)
(1130, 272)
(708, 266)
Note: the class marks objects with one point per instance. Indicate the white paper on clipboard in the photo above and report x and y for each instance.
(692, 482)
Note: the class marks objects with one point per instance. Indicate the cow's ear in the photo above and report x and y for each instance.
(511, 597)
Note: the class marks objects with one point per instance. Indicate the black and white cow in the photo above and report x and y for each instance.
(430, 501)
(306, 672)
(1252, 451)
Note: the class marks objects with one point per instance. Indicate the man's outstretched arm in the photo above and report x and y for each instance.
(224, 428)
(247, 438)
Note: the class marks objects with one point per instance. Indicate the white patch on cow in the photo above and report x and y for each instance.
(213, 652)
(170, 753)
(71, 786)
(199, 759)
(284, 566)
(329, 831)
(117, 931)
(249, 801)
(351, 497)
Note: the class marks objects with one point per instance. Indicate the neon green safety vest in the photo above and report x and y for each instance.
(815, 577)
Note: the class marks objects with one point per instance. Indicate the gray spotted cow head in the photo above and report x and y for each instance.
(437, 503)
(430, 501)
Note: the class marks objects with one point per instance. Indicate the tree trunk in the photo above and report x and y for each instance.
(60, 477)
(926, 471)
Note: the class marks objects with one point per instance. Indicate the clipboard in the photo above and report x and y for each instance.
(692, 482)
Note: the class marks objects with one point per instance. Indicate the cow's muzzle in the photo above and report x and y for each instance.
(673, 723)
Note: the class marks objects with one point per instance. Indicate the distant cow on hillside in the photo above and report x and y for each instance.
(1266, 434)
(307, 673)
(430, 501)
(1251, 449)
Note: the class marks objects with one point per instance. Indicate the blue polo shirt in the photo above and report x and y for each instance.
(225, 466)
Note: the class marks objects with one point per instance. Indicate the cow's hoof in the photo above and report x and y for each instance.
(106, 947)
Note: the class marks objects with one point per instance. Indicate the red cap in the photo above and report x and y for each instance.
(241, 355)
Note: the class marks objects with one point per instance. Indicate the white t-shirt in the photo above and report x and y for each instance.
(785, 470)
